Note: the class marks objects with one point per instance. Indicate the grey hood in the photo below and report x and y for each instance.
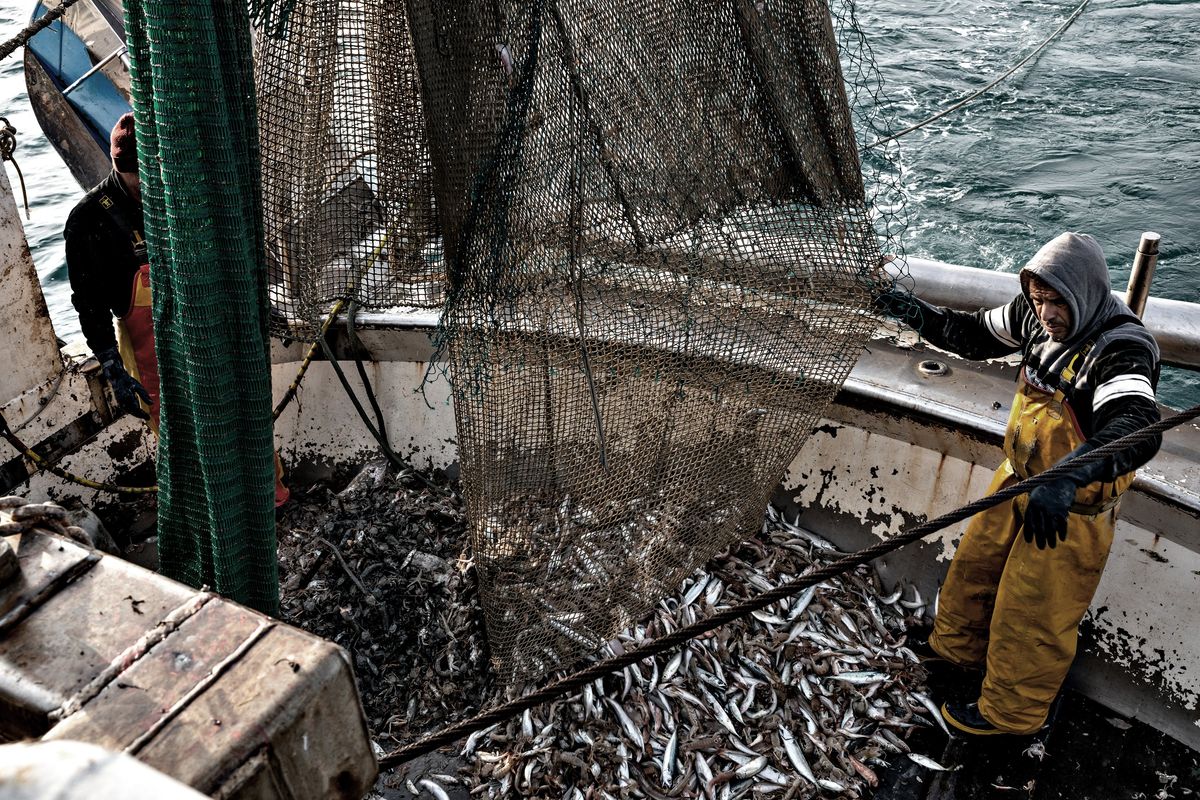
(1074, 266)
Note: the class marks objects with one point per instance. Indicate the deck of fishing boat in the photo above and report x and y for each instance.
(1087, 750)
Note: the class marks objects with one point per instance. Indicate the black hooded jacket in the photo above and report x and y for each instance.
(103, 255)
(1113, 390)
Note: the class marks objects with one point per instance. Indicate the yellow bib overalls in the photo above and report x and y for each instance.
(1008, 606)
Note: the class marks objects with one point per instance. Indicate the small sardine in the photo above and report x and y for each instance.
(929, 763)
(801, 603)
(713, 592)
(670, 754)
(434, 789)
(719, 712)
(671, 668)
(473, 739)
(696, 589)
(751, 768)
(704, 774)
(627, 725)
(934, 711)
(796, 755)
(861, 678)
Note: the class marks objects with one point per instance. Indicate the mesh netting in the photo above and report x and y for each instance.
(348, 193)
(658, 255)
(198, 160)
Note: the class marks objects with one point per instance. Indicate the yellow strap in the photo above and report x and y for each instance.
(1068, 374)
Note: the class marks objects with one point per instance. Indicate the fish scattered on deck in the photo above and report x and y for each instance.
(719, 717)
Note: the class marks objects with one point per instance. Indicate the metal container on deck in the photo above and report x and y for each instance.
(220, 697)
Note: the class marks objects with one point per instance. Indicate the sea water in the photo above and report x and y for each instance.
(1100, 134)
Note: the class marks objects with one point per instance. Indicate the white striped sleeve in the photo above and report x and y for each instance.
(1126, 385)
(997, 324)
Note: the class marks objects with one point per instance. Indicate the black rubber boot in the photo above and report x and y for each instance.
(964, 719)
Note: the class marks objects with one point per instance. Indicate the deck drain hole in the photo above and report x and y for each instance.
(931, 367)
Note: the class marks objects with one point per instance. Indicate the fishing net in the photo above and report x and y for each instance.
(657, 254)
(191, 69)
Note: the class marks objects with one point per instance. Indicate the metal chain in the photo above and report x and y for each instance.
(577, 680)
(24, 515)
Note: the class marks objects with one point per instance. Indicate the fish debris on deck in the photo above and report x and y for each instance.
(812, 696)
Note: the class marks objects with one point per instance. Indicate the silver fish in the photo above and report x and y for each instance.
(627, 725)
(861, 678)
(929, 763)
(672, 667)
(473, 739)
(934, 711)
(801, 603)
(670, 754)
(696, 590)
(704, 774)
(751, 768)
(796, 755)
(434, 789)
(719, 712)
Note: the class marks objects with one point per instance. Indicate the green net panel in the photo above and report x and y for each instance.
(647, 227)
(197, 144)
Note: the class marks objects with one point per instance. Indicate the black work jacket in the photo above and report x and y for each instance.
(105, 249)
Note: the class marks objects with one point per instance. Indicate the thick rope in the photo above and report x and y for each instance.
(1061, 29)
(8, 146)
(290, 394)
(42, 463)
(31, 30)
(576, 681)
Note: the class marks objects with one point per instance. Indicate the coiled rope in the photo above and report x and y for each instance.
(964, 101)
(577, 680)
(8, 146)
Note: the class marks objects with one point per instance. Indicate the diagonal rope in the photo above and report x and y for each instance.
(577, 680)
(1061, 29)
(35, 27)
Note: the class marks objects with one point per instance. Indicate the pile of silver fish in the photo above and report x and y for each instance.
(810, 697)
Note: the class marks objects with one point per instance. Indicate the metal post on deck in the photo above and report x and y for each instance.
(1142, 273)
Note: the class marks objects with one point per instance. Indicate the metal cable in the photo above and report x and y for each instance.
(1061, 28)
(313, 349)
(577, 680)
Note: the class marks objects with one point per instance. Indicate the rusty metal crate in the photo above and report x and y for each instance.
(227, 700)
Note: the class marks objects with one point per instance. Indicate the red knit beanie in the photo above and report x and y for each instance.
(123, 145)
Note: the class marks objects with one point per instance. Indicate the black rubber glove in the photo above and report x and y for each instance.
(125, 388)
(1047, 512)
(1049, 506)
(909, 309)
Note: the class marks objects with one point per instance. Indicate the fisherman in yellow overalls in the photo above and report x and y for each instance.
(1026, 569)
(110, 277)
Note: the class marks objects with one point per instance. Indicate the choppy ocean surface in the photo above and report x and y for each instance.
(1101, 133)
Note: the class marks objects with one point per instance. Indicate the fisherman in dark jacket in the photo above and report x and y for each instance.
(109, 269)
(1026, 570)
(110, 277)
